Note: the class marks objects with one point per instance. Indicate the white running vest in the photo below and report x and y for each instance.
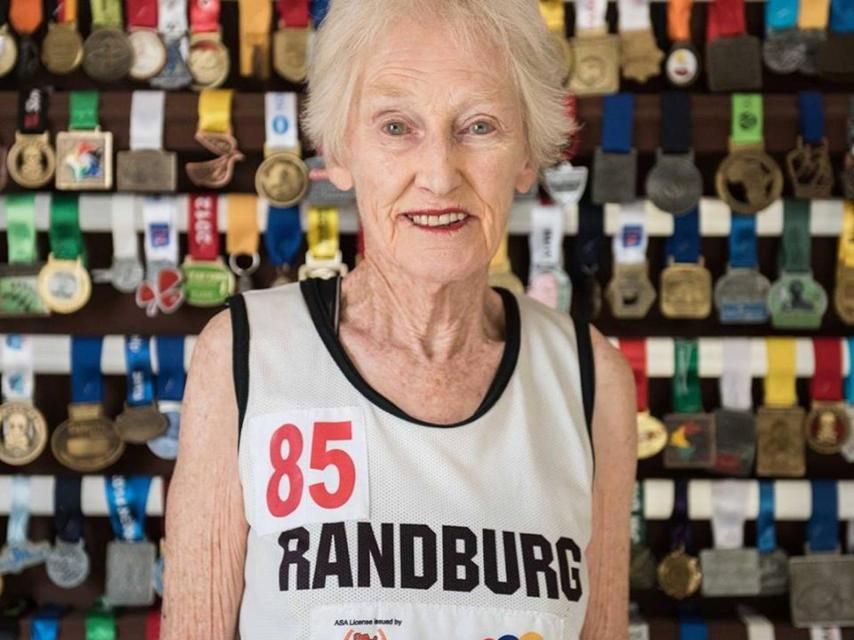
(366, 524)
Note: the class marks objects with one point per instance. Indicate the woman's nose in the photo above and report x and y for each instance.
(438, 171)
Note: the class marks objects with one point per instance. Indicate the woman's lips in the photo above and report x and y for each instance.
(438, 220)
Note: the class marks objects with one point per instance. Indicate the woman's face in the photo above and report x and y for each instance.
(435, 134)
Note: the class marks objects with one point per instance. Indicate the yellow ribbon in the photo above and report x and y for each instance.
(215, 110)
(845, 254)
(813, 14)
(782, 370)
(242, 232)
(322, 232)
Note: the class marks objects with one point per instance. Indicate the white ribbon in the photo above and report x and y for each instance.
(18, 377)
(123, 225)
(546, 237)
(172, 18)
(146, 119)
(161, 235)
(590, 15)
(735, 381)
(280, 116)
(729, 502)
(758, 626)
(633, 15)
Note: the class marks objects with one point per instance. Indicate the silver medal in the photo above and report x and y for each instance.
(674, 184)
(741, 296)
(566, 183)
(783, 51)
(175, 73)
(125, 274)
(812, 40)
(130, 573)
(166, 446)
(614, 176)
(730, 572)
(68, 564)
(17, 557)
(822, 590)
(773, 573)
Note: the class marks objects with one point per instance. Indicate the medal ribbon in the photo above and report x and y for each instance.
(280, 121)
(32, 111)
(215, 109)
(675, 122)
(142, 13)
(780, 379)
(127, 497)
(638, 524)
(554, 15)
(685, 385)
(66, 11)
(242, 233)
(21, 228)
(766, 535)
(19, 512)
(684, 244)
(171, 376)
(634, 350)
(140, 383)
(726, 18)
(781, 14)
(68, 516)
(546, 237)
(106, 13)
(283, 237)
(679, 20)
(823, 526)
(842, 16)
(161, 236)
(729, 502)
(692, 627)
(18, 376)
(204, 16)
(26, 16)
(202, 226)
(747, 117)
(680, 527)
(742, 242)
(811, 112)
(255, 17)
(100, 623)
(630, 242)
(795, 249)
(66, 241)
(826, 383)
(735, 383)
(849, 385)
(123, 227)
(86, 381)
(618, 122)
(172, 18)
(292, 13)
(590, 16)
(146, 119)
(846, 238)
(83, 106)
(813, 14)
(318, 10)
(4, 12)
(322, 232)
(588, 242)
(633, 15)
(152, 625)
(45, 624)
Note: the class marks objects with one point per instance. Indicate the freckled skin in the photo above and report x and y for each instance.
(432, 126)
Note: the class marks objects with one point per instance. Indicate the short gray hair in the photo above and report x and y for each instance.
(531, 54)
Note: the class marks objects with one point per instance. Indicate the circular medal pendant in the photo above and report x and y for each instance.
(826, 428)
(783, 51)
(138, 425)
(679, 574)
(87, 441)
(68, 564)
(31, 160)
(797, 301)
(23, 433)
(674, 184)
(282, 179)
(682, 66)
(8, 52)
(107, 55)
(126, 274)
(62, 49)
(749, 180)
(652, 435)
(208, 62)
(149, 54)
(64, 285)
(166, 445)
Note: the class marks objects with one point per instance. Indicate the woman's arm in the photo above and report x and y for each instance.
(205, 525)
(615, 448)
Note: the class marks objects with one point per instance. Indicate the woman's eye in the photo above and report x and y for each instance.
(395, 128)
(481, 127)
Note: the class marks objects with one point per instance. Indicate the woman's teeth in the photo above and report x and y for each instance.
(438, 221)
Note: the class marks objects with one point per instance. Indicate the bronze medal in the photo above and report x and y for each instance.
(630, 293)
(810, 171)
(208, 60)
(146, 171)
(218, 172)
(734, 63)
(23, 433)
(87, 442)
(107, 54)
(596, 67)
(282, 179)
(843, 293)
(686, 291)
(640, 56)
(652, 435)
(62, 49)
(31, 160)
(826, 427)
(290, 47)
(139, 424)
(748, 180)
(780, 446)
(679, 574)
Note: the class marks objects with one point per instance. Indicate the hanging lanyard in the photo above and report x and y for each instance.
(615, 161)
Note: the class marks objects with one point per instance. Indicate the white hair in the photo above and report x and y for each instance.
(530, 53)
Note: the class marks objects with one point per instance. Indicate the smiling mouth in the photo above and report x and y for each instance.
(438, 220)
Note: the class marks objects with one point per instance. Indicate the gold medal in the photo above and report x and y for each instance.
(31, 160)
(827, 427)
(107, 54)
(282, 179)
(686, 291)
(87, 442)
(290, 46)
(780, 442)
(596, 65)
(84, 160)
(8, 51)
(630, 293)
(652, 435)
(23, 433)
(843, 293)
(679, 574)
(208, 60)
(62, 49)
(64, 285)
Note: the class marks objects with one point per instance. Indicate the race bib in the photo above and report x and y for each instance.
(403, 621)
(308, 466)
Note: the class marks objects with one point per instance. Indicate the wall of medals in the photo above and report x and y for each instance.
(700, 219)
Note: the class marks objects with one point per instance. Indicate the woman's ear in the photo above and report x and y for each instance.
(340, 177)
(526, 178)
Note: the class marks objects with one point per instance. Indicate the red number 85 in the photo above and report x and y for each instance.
(321, 457)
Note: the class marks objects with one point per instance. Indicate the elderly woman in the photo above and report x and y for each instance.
(408, 453)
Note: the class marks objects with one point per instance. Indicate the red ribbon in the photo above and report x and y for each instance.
(634, 350)
(152, 625)
(204, 16)
(726, 18)
(202, 231)
(142, 13)
(826, 382)
(292, 13)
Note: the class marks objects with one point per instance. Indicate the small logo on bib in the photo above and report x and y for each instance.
(531, 635)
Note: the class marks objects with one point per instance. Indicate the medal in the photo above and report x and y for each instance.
(282, 179)
(23, 430)
(642, 571)
(588, 256)
(84, 153)
(686, 284)
(547, 280)
(595, 53)
(323, 258)
(779, 424)
(64, 283)
(282, 240)
(735, 424)
(130, 557)
(170, 391)
(31, 160)
(242, 238)
(640, 57)
(808, 165)
(107, 53)
(163, 289)
(254, 23)
(501, 271)
(679, 574)
(834, 59)
(630, 293)
(208, 60)
(26, 18)
(290, 41)
(691, 433)
(615, 161)
(843, 292)
(68, 563)
(19, 553)
(62, 48)
(782, 50)
(146, 167)
(87, 442)
(748, 179)
(733, 60)
(207, 280)
(652, 434)
(812, 25)
(140, 421)
(149, 52)
(674, 184)
(773, 562)
(741, 294)
(19, 295)
(8, 47)
(172, 27)
(827, 428)
(125, 272)
(214, 134)
(847, 173)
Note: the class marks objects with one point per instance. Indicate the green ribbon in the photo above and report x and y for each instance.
(686, 380)
(100, 622)
(638, 524)
(21, 228)
(747, 123)
(83, 107)
(795, 249)
(106, 13)
(66, 241)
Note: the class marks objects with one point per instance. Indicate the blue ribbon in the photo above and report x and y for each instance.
(742, 242)
(849, 383)
(45, 624)
(842, 16)
(823, 526)
(171, 376)
(126, 499)
(692, 627)
(766, 536)
(68, 516)
(781, 14)
(318, 11)
(684, 244)
(811, 111)
(283, 237)
(86, 381)
(140, 380)
(680, 529)
(618, 122)
(19, 511)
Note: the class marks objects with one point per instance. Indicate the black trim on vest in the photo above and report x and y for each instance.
(587, 369)
(239, 354)
(320, 297)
